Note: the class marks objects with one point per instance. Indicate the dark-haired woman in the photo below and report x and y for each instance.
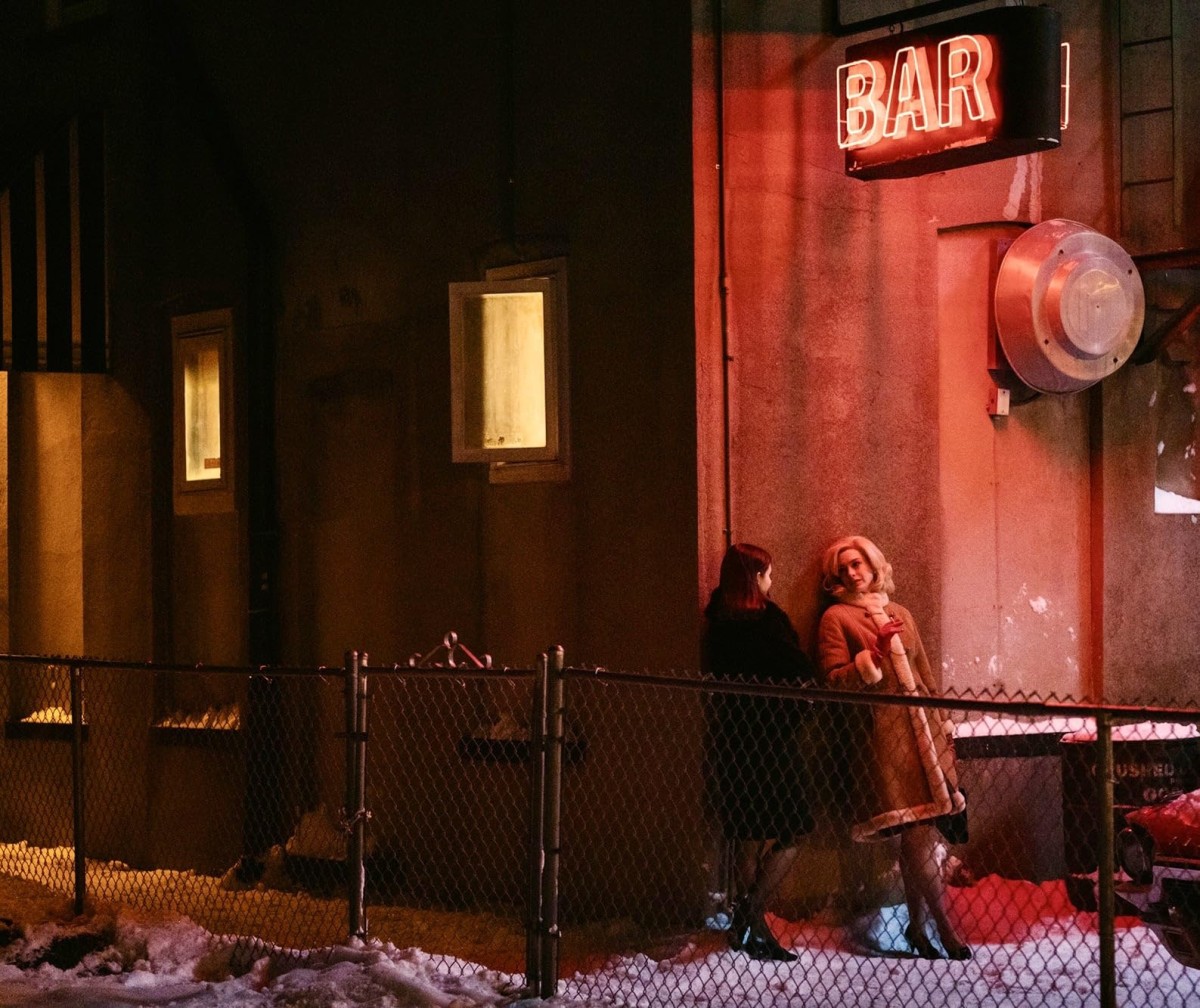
(868, 642)
(758, 793)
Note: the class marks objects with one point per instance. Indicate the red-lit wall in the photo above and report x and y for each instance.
(857, 341)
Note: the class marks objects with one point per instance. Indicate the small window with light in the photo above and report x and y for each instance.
(508, 372)
(203, 428)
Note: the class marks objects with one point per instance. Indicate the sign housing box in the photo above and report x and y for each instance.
(1023, 87)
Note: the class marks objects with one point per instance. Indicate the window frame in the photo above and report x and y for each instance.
(214, 328)
(548, 463)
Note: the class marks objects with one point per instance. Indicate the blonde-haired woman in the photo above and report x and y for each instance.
(868, 642)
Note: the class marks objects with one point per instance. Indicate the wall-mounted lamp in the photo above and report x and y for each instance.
(1068, 305)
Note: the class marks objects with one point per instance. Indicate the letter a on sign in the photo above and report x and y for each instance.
(910, 99)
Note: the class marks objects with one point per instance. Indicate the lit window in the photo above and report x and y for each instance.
(202, 412)
(201, 409)
(504, 365)
(508, 372)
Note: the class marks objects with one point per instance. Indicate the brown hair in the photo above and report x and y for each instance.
(738, 588)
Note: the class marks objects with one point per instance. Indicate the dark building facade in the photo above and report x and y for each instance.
(759, 346)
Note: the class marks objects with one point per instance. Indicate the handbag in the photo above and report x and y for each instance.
(953, 825)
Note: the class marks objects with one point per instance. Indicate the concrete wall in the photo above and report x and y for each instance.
(858, 339)
(473, 139)
(90, 538)
(389, 155)
(384, 185)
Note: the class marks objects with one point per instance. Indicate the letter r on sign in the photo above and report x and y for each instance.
(964, 63)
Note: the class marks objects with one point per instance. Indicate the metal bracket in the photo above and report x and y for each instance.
(348, 824)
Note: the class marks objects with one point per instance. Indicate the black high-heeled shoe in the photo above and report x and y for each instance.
(958, 951)
(921, 945)
(761, 944)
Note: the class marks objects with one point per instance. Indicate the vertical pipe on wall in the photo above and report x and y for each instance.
(1106, 866)
(78, 839)
(718, 28)
(508, 169)
(537, 822)
(1094, 679)
(552, 833)
(355, 696)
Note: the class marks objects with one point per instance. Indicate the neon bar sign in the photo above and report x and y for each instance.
(961, 92)
(914, 101)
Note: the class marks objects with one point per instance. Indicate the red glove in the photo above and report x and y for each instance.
(883, 641)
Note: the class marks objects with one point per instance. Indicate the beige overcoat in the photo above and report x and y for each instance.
(904, 770)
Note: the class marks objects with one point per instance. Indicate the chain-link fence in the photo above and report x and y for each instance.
(621, 838)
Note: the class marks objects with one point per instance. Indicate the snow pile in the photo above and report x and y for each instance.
(126, 957)
(1142, 731)
(1030, 948)
(989, 725)
(320, 834)
(227, 718)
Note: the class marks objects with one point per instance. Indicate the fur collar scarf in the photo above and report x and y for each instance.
(875, 604)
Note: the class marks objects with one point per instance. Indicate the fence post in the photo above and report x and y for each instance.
(537, 822)
(1104, 786)
(355, 812)
(79, 838)
(555, 724)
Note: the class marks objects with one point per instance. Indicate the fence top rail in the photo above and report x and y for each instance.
(78, 661)
(269, 671)
(693, 681)
(1018, 707)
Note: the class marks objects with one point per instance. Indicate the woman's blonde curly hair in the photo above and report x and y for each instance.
(831, 584)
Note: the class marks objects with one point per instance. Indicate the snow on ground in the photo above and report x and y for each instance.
(1031, 948)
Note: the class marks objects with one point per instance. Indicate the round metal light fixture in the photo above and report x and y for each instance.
(1069, 306)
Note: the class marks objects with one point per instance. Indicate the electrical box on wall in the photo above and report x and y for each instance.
(998, 401)
(1003, 377)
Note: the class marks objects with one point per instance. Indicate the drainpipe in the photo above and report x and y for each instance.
(722, 264)
(1094, 684)
(508, 116)
(723, 871)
